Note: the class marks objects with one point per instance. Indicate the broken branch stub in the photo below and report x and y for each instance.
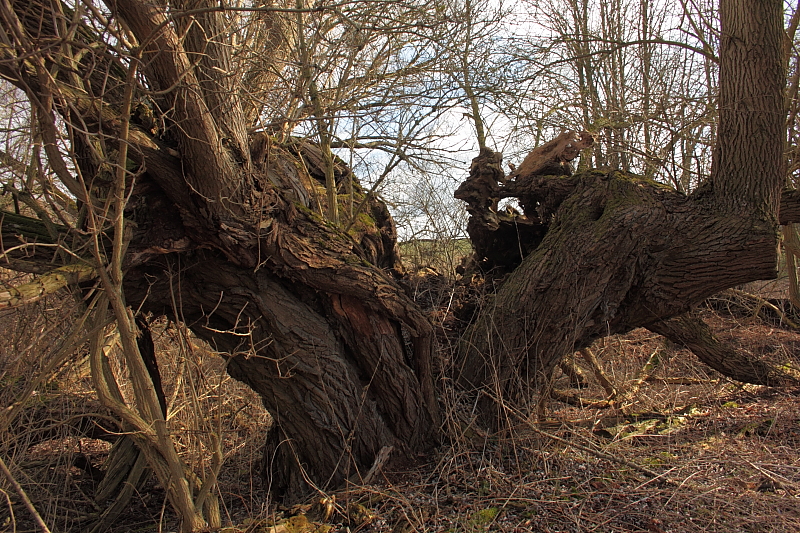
(481, 190)
(553, 157)
(502, 239)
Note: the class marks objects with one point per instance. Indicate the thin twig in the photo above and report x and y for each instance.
(596, 453)
(762, 302)
(28, 503)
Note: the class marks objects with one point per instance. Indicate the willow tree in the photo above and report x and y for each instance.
(609, 251)
(163, 181)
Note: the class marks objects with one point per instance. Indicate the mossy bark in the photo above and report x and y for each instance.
(621, 252)
(308, 317)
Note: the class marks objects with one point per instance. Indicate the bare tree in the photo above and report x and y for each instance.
(620, 252)
(174, 182)
(146, 115)
(641, 76)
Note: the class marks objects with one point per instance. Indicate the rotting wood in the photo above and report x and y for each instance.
(553, 157)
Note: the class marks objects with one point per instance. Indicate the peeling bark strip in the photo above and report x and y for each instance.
(49, 283)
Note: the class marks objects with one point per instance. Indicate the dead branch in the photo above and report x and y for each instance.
(24, 496)
(691, 331)
(552, 158)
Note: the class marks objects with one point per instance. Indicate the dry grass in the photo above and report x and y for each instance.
(57, 445)
(725, 456)
(441, 255)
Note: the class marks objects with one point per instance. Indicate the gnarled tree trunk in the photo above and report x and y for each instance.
(224, 232)
(621, 251)
(316, 329)
(223, 228)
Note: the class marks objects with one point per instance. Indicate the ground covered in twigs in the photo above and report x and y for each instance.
(682, 450)
(728, 466)
(688, 451)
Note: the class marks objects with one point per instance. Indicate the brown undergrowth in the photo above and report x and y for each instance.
(57, 444)
(682, 449)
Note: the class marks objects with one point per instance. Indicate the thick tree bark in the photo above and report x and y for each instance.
(308, 319)
(621, 251)
(749, 164)
(226, 235)
(333, 372)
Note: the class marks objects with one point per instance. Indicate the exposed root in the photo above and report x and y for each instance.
(689, 330)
